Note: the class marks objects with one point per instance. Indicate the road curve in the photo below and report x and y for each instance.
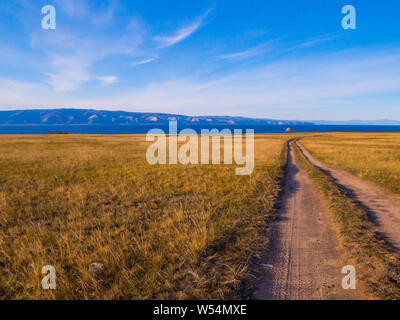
(381, 206)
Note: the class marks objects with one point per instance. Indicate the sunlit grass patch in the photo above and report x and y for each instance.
(371, 156)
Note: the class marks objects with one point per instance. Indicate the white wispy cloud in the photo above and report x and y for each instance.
(69, 55)
(178, 36)
(65, 58)
(312, 42)
(108, 79)
(268, 47)
(275, 45)
(181, 34)
(68, 72)
(67, 61)
(144, 61)
(246, 54)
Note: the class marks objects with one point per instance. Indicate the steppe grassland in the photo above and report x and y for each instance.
(371, 156)
(160, 231)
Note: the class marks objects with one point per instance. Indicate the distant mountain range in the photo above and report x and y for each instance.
(99, 117)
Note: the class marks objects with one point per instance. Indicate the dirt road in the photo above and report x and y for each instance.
(382, 207)
(305, 261)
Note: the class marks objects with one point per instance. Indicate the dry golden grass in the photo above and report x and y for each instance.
(160, 231)
(371, 156)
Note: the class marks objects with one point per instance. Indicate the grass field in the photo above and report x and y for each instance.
(159, 231)
(371, 156)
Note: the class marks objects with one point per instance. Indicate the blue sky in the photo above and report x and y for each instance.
(287, 59)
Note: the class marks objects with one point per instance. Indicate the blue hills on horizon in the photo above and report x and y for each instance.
(103, 117)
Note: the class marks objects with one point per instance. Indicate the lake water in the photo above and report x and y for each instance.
(127, 129)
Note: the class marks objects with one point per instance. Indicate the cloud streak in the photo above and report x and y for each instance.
(246, 54)
(144, 61)
(181, 34)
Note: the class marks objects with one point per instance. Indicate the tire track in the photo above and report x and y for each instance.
(305, 260)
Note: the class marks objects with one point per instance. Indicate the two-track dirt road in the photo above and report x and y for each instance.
(382, 207)
(305, 260)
